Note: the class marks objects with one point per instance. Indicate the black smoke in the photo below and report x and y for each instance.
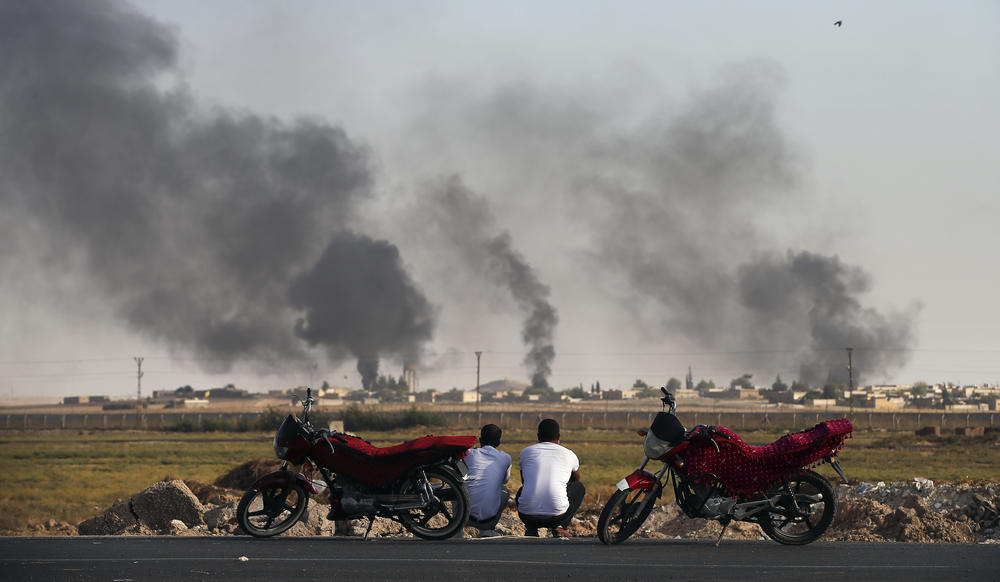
(812, 301)
(358, 297)
(192, 221)
(466, 222)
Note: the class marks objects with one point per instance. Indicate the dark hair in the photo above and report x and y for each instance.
(490, 435)
(548, 430)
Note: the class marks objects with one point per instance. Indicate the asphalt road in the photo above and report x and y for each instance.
(213, 559)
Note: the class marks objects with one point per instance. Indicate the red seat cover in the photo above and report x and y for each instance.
(379, 465)
(744, 469)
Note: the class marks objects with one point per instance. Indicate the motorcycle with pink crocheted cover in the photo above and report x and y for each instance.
(716, 475)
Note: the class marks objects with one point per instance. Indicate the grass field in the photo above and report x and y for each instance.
(71, 476)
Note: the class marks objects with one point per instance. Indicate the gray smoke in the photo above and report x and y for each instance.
(467, 223)
(192, 221)
(665, 208)
(812, 300)
(686, 232)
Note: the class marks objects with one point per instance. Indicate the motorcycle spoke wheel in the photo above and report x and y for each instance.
(446, 514)
(268, 512)
(624, 514)
(804, 510)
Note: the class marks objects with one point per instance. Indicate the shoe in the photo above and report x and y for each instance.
(560, 532)
(489, 533)
(531, 532)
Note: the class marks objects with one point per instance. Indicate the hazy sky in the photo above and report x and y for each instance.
(713, 184)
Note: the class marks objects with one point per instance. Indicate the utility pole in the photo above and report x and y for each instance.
(850, 379)
(478, 355)
(138, 391)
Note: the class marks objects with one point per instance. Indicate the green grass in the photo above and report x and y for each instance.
(71, 476)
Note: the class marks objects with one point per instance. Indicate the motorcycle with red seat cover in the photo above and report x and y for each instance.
(715, 475)
(419, 483)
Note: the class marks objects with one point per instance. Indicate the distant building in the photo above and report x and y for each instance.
(503, 388)
(227, 392)
(85, 400)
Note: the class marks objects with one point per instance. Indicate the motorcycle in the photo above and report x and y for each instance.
(419, 483)
(715, 475)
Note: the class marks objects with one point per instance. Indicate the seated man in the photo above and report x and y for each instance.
(552, 491)
(491, 469)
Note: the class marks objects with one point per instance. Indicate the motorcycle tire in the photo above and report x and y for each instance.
(622, 515)
(264, 513)
(440, 519)
(805, 514)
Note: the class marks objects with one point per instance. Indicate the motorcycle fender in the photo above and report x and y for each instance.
(639, 480)
(281, 478)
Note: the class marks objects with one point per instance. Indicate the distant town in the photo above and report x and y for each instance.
(946, 397)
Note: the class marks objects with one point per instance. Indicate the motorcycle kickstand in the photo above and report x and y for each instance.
(725, 524)
(368, 530)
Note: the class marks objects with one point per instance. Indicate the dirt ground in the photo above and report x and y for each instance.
(917, 511)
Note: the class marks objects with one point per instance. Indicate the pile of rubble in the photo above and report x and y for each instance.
(919, 511)
(914, 511)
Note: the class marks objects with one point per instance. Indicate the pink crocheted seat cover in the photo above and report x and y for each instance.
(744, 469)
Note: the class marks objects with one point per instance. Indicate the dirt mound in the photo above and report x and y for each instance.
(210, 494)
(857, 520)
(917, 511)
(242, 476)
(49, 528)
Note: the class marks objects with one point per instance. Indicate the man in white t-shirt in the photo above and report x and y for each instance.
(552, 491)
(491, 469)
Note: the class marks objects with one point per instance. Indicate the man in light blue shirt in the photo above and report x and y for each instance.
(491, 470)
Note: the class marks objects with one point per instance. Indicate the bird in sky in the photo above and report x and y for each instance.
(838, 23)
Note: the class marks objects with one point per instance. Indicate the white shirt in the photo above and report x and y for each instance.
(491, 469)
(545, 470)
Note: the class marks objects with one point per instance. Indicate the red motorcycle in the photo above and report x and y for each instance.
(715, 475)
(419, 483)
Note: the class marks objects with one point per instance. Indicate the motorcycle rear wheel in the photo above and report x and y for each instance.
(622, 515)
(440, 519)
(264, 513)
(805, 514)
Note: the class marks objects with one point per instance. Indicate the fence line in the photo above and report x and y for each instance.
(617, 419)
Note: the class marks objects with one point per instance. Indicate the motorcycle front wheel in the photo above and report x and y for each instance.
(804, 510)
(624, 513)
(446, 512)
(264, 513)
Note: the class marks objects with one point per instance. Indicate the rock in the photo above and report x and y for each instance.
(209, 494)
(221, 517)
(177, 527)
(165, 501)
(313, 523)
(117, 520)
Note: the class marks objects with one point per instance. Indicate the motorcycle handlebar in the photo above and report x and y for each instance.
(668, 399)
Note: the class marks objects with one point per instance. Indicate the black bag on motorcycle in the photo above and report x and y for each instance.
(665, 432)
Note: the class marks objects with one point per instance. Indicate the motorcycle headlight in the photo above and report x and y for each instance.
(279, 450)
(654, 447)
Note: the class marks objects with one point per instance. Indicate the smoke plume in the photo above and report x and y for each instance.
(671, 211)
(359, 297)
(467, 223)
(812, 300)
(191, 220)
(687, 230)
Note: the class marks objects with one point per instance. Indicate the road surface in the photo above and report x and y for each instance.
(215, 559)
